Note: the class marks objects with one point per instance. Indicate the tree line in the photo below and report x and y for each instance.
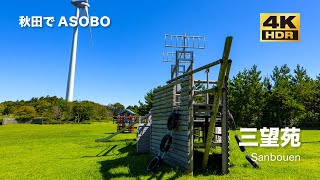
(54, 110)
(284, 98)
(281, 99)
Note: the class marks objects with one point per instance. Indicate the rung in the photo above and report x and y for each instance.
(199, 120)
(204, 81)
(196, 92)
(200, 145)
(202, 104)
(202, 111)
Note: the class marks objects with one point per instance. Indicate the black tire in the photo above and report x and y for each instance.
(165, 143)
(154, 164)
(252, 162)
(238, 141)
(172, 121)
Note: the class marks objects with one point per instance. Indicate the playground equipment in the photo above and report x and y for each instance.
(125, 117)
(185, 108)
(132, 120)
(177, 114)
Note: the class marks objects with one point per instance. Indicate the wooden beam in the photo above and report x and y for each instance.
(201, 145)
(217, 95)
(191, 165)
(228, 68)
(197, 92)
(204, 81)
(196, 70)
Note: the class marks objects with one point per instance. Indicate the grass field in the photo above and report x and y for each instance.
(70, 152)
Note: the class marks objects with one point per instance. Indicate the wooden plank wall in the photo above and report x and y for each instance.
(180, 152)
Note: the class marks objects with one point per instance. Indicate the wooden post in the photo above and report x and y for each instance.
(191, 122)
(228, 68)
(217, 96)
(224, 131)
(224, 124)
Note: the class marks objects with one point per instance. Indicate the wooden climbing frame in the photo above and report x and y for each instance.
(179, 94)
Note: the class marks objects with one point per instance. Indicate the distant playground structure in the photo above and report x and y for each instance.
(124, 118)
(126, 121)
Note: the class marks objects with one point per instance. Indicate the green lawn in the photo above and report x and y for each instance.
(70, 152)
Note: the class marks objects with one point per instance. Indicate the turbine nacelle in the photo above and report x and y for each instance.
(80, 3)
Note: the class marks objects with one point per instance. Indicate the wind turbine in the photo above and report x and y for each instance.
(83, 6)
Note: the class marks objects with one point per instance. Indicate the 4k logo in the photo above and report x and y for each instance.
(280, 27)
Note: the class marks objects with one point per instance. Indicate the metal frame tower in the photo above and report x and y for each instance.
(181, 57)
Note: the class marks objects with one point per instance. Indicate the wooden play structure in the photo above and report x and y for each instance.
(179, 116)
(188, 115)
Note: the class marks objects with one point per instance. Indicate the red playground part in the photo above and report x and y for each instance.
(123, 121)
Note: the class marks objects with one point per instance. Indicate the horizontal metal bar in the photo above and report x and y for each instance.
(173, 35)
(184, 41)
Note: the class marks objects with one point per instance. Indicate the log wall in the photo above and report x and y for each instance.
(180, 153)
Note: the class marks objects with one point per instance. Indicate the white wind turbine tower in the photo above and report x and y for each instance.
(83, 6)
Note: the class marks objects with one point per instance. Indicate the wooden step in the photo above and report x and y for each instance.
(202, 118)
(202, 145)
(203, 105)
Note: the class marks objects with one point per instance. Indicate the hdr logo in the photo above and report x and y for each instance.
(279, 27)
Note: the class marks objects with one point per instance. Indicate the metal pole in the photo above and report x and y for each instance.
(206, 119)
(207, 94)
(72, 67)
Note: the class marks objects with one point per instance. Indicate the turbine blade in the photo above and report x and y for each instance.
(87, 14)
(90, 35)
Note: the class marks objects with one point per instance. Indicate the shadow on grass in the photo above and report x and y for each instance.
(124, 132)
(214, 164)
(102, 153)
(133, 165)
(311, 142)
(106, 152)
(123, 140)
